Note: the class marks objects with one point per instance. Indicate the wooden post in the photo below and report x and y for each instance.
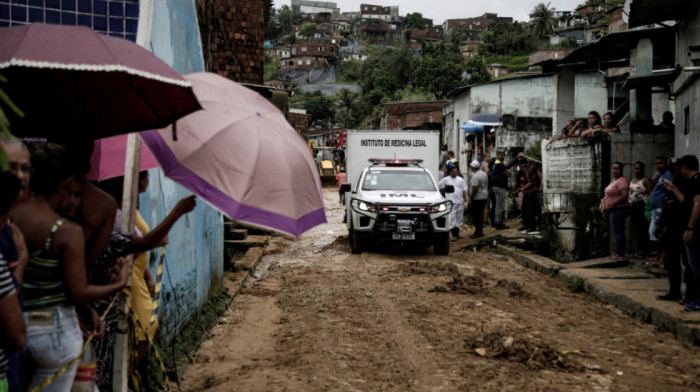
(120, 371)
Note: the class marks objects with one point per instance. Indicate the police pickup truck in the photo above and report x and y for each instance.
(397, 200)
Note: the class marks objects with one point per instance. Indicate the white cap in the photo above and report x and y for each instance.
(475, 164)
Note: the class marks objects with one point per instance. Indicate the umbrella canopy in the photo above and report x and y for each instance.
(241, 155)
(108, 158)
(478, 122)
(71, 81)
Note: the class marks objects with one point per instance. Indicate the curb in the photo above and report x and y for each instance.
(665, 321)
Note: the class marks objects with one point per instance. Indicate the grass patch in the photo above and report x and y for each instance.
(515, 63)
(188, 340)
(271, 66)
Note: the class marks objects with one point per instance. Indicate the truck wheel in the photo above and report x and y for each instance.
(442, 245)
(355, 246)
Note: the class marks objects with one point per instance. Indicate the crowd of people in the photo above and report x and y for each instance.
(663, 213)
(673, 203)
(63, 261)
(488, 191)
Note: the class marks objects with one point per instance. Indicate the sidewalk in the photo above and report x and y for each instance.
(621, 284)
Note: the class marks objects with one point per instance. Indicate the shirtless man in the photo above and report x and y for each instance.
(98, 208)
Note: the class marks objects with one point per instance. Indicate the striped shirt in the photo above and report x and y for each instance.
(7, 287)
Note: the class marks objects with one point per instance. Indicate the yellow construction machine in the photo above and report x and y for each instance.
(328, 161)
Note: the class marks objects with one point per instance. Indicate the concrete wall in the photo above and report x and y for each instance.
(195, 254)
(591, 93)
(687, 105)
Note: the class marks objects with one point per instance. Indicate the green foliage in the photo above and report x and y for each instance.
(414, 21)
(505, 38)
(349, 71)
(272, 27)
(290, 39)
(411, 94)
(196, 331)
(476, 68)
(271, 66)
(318, 107)
(308, 30)
(286, 17)
(439, 72)
(514, 62)
(543, 21)
(534, 152)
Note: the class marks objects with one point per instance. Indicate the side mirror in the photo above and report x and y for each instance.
(345, 187)
(449, 189)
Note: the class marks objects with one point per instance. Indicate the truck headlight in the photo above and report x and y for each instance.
(360, 205)
(445, 206)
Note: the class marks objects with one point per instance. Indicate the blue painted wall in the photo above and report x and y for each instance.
(195, 255)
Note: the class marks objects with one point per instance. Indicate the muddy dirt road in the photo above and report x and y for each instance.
(321, 319)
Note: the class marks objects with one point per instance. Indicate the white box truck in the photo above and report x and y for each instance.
(391, 193)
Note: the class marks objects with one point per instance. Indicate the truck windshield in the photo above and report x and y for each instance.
(397, 180)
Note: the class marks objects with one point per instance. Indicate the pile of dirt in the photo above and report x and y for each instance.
(426, 268)
(514, 289)
(464, 284)
(534, 355)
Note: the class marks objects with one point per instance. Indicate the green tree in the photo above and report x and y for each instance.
(348, 110)
(505, 39)
(453, 42)
(476, 69)
(439, 72)
(272, 26)
(286, 17)
(308, 30)
(414, 21)
(542, 21)
(401, 65)
(290, 39)
(318, 107)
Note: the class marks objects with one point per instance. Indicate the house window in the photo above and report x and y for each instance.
(320, 48)
(308, 62)
(300, 62)
(303, 48)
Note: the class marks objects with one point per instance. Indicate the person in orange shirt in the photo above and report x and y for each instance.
(341, 179)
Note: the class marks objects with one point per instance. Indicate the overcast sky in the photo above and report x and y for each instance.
(439, 10)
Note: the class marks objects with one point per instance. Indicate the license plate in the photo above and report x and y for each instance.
(403, 236)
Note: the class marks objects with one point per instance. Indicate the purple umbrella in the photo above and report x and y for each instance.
(241, 155)
(72, 81)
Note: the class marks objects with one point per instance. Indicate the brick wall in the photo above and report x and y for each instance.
(413, 115)
(232, 37)
(299, 121)
(314, 49)
(546, 54)
(304, 63)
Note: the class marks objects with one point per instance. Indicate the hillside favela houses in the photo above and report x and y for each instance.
(634, 73)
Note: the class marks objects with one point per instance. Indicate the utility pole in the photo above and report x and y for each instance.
(120, 369)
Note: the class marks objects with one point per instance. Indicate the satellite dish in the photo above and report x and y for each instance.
(626, 12)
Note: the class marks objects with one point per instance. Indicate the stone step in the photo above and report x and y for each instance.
(249, 260)
(250, 241)
(236, 234)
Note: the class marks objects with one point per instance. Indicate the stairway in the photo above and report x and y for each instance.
(243, 246)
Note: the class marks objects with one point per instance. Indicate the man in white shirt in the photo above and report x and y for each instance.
(457, 198)
(478, 198)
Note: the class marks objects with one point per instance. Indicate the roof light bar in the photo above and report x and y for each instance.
(394, 161)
